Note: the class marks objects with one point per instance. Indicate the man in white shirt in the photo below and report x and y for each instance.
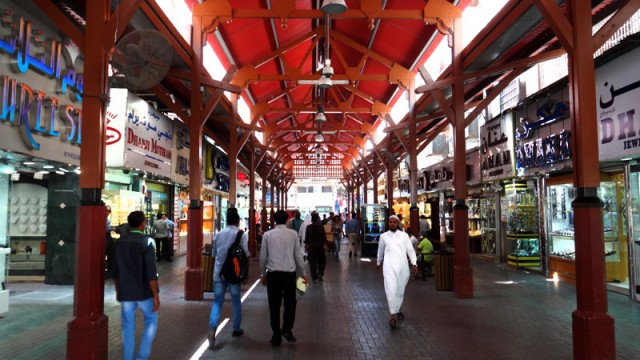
(393, 249)
(280, 261)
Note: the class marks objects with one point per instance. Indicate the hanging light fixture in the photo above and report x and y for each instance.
(319, 137)
(333, 7)
(320, 117)
(324, 82)
(327, 70)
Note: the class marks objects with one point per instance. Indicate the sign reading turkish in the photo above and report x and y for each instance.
(617, 92)
(149, 138)
(496, 149)
(41, 96)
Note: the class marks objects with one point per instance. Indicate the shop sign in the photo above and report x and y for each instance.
(436, 178)
(116, 126)
(617, 93)
(149, 139)
(41, 91)
(216, 166)
(543, 151)
(496, 148)
(180, 164)
(549, 112)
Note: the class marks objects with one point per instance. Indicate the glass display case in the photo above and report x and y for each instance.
(560, 222)
(562, 249)
(4, 292)
(374, 221)
(446, 215)
(488, 228)
(523, 239)
(634, 192)
(473, 218)
(614, 223)
(432, 212)
(208, 219)
(122, 203)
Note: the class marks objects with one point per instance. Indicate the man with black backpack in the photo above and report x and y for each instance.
(224, 243)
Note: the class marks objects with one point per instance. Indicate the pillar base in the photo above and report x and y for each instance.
(193, 285)
(88, 339)
(593, 335)
(463, 282)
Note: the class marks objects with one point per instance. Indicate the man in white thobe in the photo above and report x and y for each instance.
(393, 249)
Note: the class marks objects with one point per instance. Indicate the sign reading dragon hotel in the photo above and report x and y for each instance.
(41, 95)
(617, 93)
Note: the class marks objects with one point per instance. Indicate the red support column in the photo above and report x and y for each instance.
(263, 213)
(193, 285)
(389, 183)
(593, 328)
(462, 272)
(253, 246)
(414, 212)
(375, 184)
(88, 332)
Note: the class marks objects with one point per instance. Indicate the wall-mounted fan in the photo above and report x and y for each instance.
(142, 58)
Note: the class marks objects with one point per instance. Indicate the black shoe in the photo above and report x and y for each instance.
(289, 336)
(170, 260)
(158, 260)
(211, 336)
(350, 253)
(400, 316)
(237, 333)
(392, 324)
(276, 340)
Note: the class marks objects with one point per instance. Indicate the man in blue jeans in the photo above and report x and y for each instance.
(222, 242)
(136, 281)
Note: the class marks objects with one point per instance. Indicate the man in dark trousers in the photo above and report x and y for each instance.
(136, 281)
(280, 260)
(316, 243)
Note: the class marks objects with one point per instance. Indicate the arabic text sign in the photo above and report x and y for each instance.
(496, 149)
(149, 138)
(35, 102)
(617, 92)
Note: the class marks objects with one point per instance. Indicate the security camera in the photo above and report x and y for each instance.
(126, 171)
(327, 70)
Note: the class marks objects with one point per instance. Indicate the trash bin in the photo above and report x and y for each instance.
(207, 268)
(443, 267)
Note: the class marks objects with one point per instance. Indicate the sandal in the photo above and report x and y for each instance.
(392, 324)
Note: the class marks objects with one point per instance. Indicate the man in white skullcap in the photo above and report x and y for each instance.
(393, 249)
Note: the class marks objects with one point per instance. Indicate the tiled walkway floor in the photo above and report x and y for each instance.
(513, 315)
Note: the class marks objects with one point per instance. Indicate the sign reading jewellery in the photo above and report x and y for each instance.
(41, 90)
(495, 149)
(617, 92)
